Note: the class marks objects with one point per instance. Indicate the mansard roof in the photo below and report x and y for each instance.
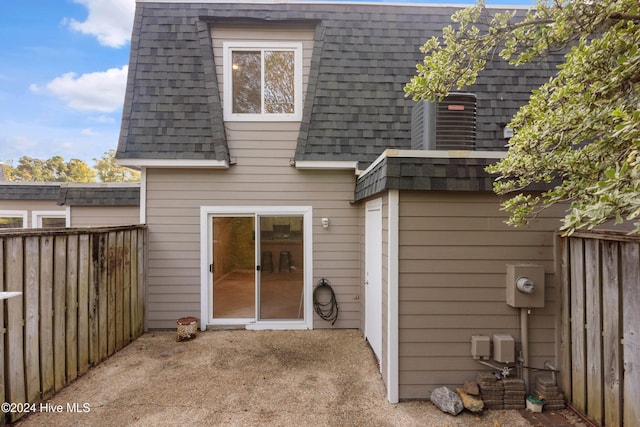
(355, 106)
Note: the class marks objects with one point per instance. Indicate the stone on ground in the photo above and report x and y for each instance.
(446, 400)
(471, 403)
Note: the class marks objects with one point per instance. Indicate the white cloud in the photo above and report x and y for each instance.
(100, 91)
(88, 132)
(109, 20)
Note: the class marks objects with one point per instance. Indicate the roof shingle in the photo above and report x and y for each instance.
(355, 106)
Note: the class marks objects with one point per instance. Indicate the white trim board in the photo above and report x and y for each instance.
(434, 154)
(365, 3)
(326, 164)
(393, 331)
(174, 163)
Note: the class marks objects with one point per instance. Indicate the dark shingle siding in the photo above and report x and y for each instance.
(29, 191)
(419, 173)
(99, 196)
(355, 105)
(89, 195)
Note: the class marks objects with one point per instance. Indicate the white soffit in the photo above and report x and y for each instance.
(171, 163)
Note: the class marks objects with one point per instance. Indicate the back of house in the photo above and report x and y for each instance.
(279, 153)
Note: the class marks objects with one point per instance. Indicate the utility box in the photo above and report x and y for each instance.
(525, 285)
(504, 348)
(480, 347)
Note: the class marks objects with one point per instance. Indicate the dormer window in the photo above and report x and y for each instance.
(262, 81)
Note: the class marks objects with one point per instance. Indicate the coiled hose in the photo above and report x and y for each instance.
(327, 310)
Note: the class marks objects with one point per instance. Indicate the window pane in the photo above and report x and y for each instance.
(11, 222)
(278, 82)
(54, 222)
(246, 82)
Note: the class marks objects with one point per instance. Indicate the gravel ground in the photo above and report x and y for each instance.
(247, 378)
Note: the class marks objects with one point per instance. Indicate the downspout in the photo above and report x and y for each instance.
(524, 337)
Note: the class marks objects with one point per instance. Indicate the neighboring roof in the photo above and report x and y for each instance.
(100, 195)
(29, 191)
(74, 194)
(355, 107)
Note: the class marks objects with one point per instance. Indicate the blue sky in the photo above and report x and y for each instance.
(63, 73)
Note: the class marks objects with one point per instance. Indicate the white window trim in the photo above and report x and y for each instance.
(37, 216)
(16, 214)
(228, 47)
(206, 301)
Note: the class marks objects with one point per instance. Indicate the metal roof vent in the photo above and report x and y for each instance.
(446, 125)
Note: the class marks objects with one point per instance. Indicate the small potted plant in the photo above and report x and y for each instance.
(535, 403)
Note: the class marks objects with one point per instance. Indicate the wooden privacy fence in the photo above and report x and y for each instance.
(601, 327)
(82, 300)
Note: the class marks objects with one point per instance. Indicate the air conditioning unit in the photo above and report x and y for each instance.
(449, 124)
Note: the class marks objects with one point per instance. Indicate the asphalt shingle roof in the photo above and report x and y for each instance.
(18, 191)
(355, 106)
(74, 195)
(99, 196)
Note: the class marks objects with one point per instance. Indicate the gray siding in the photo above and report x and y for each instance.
(174, 197)
(453, 252)
(98, 216)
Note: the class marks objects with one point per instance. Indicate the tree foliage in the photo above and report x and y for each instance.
(580, 132)
(109, 171)
(55, 169)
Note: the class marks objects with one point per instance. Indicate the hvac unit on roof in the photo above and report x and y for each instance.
(449, 124)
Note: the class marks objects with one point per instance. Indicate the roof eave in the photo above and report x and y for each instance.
(174, 163)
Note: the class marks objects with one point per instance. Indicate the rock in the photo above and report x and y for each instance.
(446, 400)
(471, 403)
(471, 387)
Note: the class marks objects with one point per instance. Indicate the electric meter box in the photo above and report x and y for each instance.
(525, 285)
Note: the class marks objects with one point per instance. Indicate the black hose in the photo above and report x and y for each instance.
(326, 310)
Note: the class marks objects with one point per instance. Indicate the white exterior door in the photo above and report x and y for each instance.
(373, 276)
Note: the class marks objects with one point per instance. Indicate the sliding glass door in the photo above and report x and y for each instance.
(281, 275)
(233, 267)
(256, 267)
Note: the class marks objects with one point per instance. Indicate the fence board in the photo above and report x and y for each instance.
(119, 318)
(611, 334)
(578, 371)
(102, 296)
(94, 272)
(126, 286)
(140, 283)
(2, 333)
(59, 311)
(631, 331)
(83, 304)
(46, 317)
(111, 295)
(71, 319)
(593, 329)
(32, 309)
(60, 324)
(14, 356)
(565, 309)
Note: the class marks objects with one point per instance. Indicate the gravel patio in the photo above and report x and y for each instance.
(246, 378)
